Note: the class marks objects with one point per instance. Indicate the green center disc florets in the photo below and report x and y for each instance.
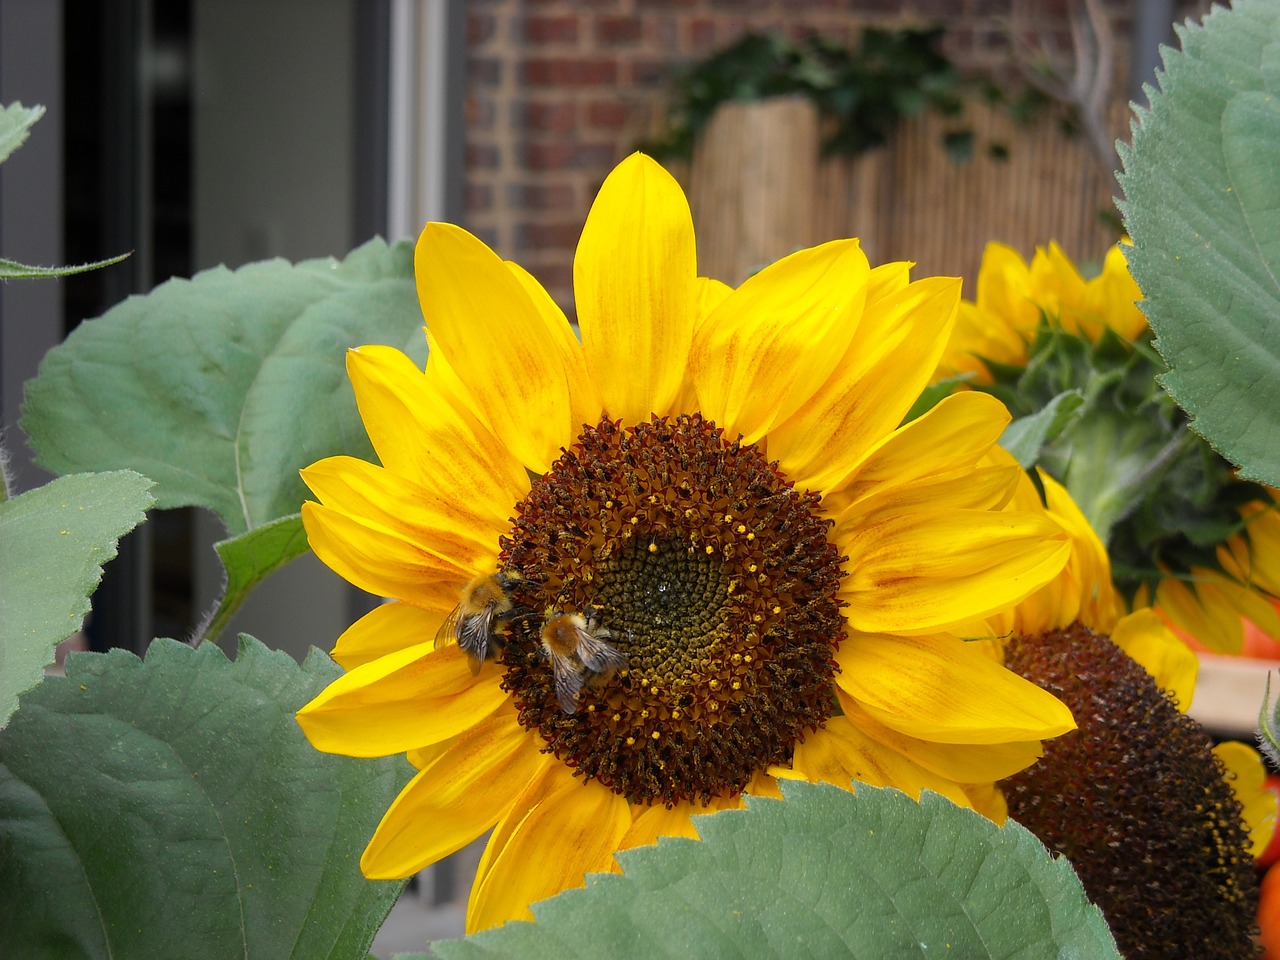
(715, 579)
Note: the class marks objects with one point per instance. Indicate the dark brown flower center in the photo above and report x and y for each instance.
(1136, 799)
(699, 563)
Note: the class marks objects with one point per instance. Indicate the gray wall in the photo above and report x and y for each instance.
(274, 88)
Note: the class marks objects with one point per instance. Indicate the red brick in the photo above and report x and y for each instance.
(650, 73)
(550, 117)
(481, 156)
(480, 27)
(541, 196)
(665, 32)
(541, 236)
(478, 197)
(480, 113)
(484, 72)
(569, 72)
(609, 114)
(551, 29)
(702, 33)
(619, 31)
(567, 156)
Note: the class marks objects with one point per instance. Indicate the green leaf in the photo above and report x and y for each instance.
(12, 270)
(249, 558)
(934, 394)
(1027, 436)
(15, 124)
(824, 873)
(55, 540)
(173, 808)
(222, 387)
(1201, 197)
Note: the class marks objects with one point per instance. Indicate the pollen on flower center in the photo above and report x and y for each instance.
(713, 577)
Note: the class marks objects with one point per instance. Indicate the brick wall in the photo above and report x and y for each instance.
(560, 90)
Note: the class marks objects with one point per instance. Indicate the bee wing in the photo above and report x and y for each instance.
(598, 655)
(568, 682)
(449, 629)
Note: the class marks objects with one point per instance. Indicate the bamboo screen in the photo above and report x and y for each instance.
(759, 190)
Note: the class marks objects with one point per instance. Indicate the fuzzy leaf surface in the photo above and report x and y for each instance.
(15, 126)
(1201, 203)
(173, 808)
(220, 388)
(823, 873)
(54, 541)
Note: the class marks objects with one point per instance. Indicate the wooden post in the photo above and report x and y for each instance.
(752, 186)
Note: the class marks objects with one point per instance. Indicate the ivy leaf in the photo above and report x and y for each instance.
(1027, 436)
(173, 808)
(222, 387)
(824, 873)
(56, 539)
(15, 125)
(1200, 201)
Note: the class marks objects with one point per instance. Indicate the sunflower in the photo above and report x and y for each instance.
(686, 555)
(1182, 529)
(1161, 825)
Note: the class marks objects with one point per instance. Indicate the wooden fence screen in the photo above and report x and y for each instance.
(759, 190)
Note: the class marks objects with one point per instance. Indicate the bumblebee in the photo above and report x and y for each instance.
(478, 622)
(578, 649)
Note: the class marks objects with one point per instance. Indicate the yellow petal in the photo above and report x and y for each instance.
(449, 530)
(655, 821)
(462, 794)
(840, 753)
(916, 571)
(709, 294)
(888, 278)
(957, 762)
(1260, 554)
(947, 691)
(1145, 638)
(761, 355)
(953, 436)
(404, 700)
(763, 785)
(634, 283)
(383, 562)
(1095, 601)
(895, 347)
(1246, 775)
(584, 395)
(987, 800)
(1004, 287)
(385, 629)
(557, 832)
(1112, 297)
(982, 488)
(421, 431)
(1199, 609)
(498, 342)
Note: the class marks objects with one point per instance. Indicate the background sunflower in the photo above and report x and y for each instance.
(1182, 529)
